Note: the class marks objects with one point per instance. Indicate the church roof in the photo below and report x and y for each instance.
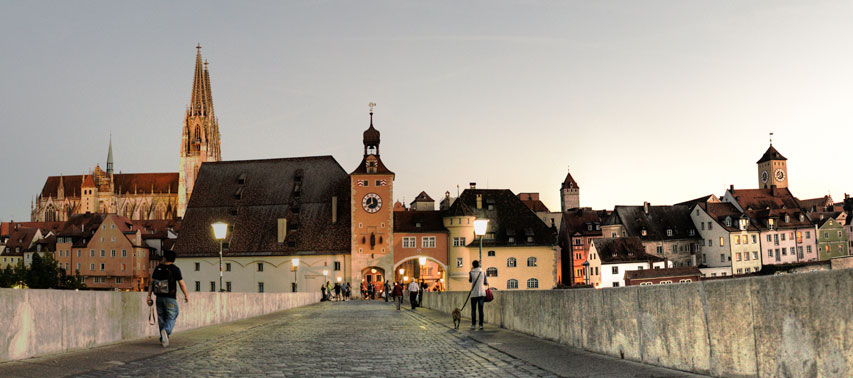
(771, 154)
(123, 183)
(251, 195)
(201, 102)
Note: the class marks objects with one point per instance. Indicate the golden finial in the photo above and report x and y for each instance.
(371, 105)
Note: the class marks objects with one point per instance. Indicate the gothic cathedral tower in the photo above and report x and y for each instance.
(200, 134)
(569, 193)
(371, 201)
(772, 169)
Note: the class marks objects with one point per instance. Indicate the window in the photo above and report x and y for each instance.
(260, 287)
(754, 239)
(738, 256)
(78, 253)
(770, 252)
(459, 262)
(197, 267)
(102, 267)
(531, 261)
(197, 286)
(808, 247)
(703, 225)
(784, 251)
(722, 241)
(616, 284)
(722, 257)
(532, 283)
(755, 255)
(783, 237)
(668, 232)
(91, 253)
(746, 256)
(659, 249)
(710, 225)
(491, 254)
(428, 242)
(737, 239)
(409, 242)
(512, 284)
(227, 267)
(492, 272)
(510, 262)
(337, 265)
(261, 267)
(123, 267)
(123, 253)
(808, 234)
(78, 266)
(228, 286)
(613, 235)
(118, 280)
(457, 242)
(103, 253)
(739, 271)
(112, 253)
(667, 282)
(615, 270)
(212, 286)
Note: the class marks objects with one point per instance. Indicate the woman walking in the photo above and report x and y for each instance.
(478, 293)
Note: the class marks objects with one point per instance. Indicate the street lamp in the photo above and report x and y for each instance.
(422, 262)
(586, 272)
(220, 229)
(401, 272)
(480, 226)
(295, 263)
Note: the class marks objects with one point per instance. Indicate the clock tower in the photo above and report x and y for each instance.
(772, 169)
(372, 207)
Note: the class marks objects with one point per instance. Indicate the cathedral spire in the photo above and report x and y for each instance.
(200, 103)
(110, 156)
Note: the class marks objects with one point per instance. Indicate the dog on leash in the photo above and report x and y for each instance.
(457, 317)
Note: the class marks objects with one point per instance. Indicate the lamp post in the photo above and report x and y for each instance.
(401, 273)
(220, 229)
(295, 263)
(586, 272)
(422, 262)
(480, 226)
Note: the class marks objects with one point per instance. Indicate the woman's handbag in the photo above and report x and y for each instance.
(489, 296)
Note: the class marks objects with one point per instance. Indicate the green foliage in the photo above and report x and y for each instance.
(43, 273)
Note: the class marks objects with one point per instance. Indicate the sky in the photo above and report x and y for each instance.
(659, 101)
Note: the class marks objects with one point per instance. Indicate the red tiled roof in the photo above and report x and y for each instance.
(721, 211)
(570, 182)
(536, 206)
(423, 197)
(7, 227)
(408, 221)
(761, 204)
(582, 221)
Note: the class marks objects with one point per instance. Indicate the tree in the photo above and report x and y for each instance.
(43, 272)
(20, 274)
(7, 276)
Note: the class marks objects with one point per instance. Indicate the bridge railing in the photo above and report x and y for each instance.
(39, 322)
(783, 325)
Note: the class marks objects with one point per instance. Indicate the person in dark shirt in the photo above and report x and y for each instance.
(164, 283)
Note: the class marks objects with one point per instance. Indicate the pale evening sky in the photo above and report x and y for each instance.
(658, 101)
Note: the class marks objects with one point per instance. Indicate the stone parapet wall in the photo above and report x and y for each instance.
(39, 322)
(790, 325)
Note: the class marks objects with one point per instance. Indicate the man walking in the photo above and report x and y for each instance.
(164, 283)
(398, 294)
(413, 294)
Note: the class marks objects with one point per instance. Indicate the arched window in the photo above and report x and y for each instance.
(50, 214)
(492, 272)
(512, 284)
(532, 283)
(510, 262)
(531, 261)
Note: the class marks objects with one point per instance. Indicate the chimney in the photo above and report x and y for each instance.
(282, 229)
(334, 209)
(732, 187)
(479, 201)
(473, 185)
(646, 207)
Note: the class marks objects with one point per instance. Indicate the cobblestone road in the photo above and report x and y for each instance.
(344, 339)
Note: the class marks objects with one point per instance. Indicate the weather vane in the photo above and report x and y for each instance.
(771, 139)
(371, 105)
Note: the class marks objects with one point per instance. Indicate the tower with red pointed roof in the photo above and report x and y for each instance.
(569, 193)
(199, 135)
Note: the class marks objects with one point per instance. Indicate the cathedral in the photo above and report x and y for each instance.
(140, 196)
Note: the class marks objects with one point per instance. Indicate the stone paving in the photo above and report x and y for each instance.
(336, 339)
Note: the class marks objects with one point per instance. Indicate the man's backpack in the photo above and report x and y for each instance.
(161, 287)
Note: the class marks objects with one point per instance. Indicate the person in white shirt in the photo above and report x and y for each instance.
(478, 292)
(413, 293)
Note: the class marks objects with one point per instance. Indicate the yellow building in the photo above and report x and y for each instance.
(519, 250)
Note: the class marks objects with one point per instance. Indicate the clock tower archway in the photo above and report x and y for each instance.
(371, 201)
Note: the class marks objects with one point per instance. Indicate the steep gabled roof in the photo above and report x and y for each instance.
(619, 250)
(770, 154)
(252, 195)
(773, 202)
(711, 198)
(508, 218)
(721, 211)
(423, 197)
(657, 223)
(569, 182)
(583, 221)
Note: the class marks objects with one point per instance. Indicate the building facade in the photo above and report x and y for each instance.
(610, 259)
(831, 237)
(666, 231)
(578, 229)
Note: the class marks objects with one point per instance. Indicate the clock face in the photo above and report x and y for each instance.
(764, 176)
(779, 174)
(371, 202)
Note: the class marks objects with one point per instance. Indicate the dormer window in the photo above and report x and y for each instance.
(418, 224)
(241, 180)
(728, 221)
(589, 227)
(691, 232)
(787, 218)
(802, 217)
(644, 232)
(668, 232)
